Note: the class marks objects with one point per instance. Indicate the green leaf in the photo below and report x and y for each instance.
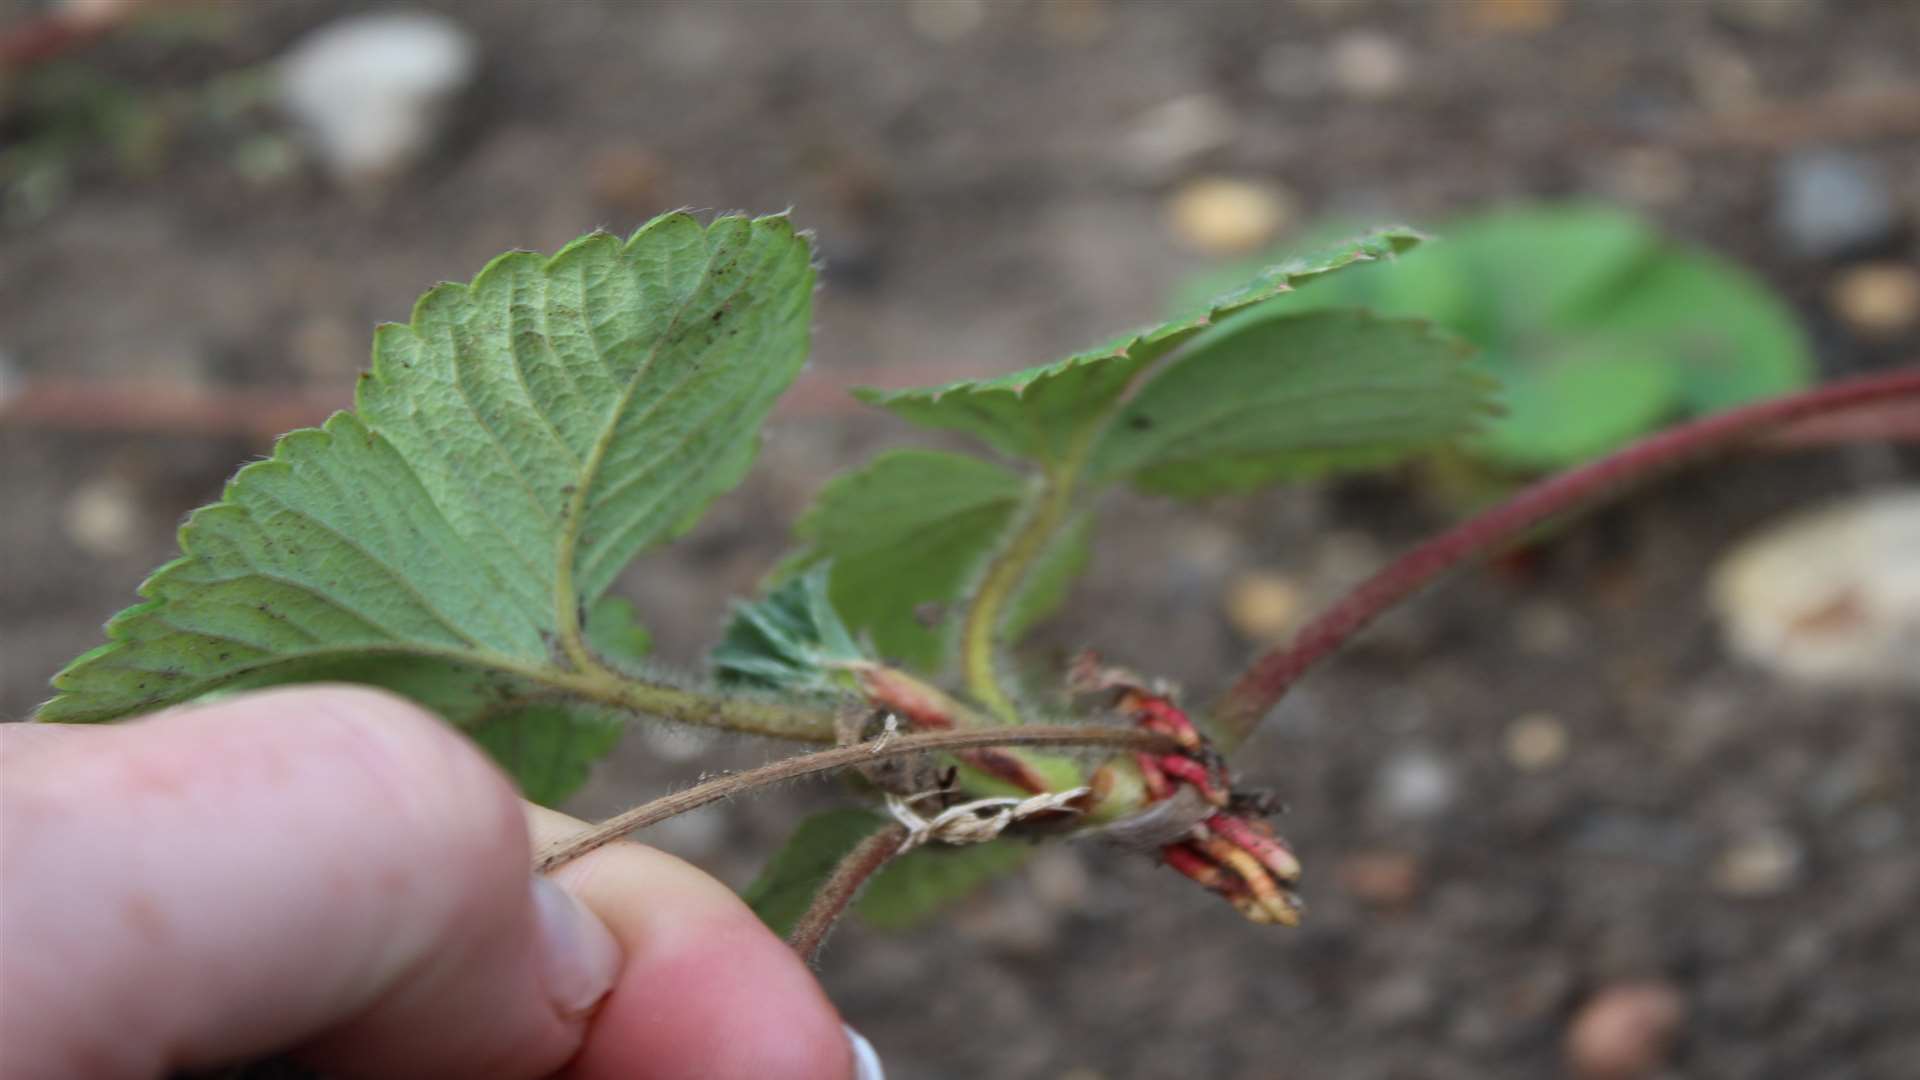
(1282, 394)
(903, 893)
(1727, 337)
(1540, 266)
(907, 536)
(1578, 405)
(792, 640)
(515, 444)
(1044, 413)
(1546, 290)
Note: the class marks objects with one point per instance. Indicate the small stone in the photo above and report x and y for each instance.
(1829, 203)
(1387, 879)
(1368, 65)
(1831, 596)
(1878, 300)
(1264, 606)
(1625, 1031)
(1764, 863)
(372, 92)
(1650, 176)
(102, 518)
(1537, 741)
(1172, 135)
(1416, 785)
(946, 20)
(1223, 216)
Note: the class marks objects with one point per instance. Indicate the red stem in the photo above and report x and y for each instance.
(867, 858)
(1238, 711)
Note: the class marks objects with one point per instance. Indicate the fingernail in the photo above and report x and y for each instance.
(578, 954)
(866, 1062)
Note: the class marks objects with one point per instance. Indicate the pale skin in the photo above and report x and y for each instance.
(332, 871)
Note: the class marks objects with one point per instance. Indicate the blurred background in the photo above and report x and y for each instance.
(1552, 823)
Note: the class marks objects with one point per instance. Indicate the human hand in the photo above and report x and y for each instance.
(332, 870)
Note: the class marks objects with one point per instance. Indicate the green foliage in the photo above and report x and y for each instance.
(524, 437)
(942, 558)
(906, 534)
(1213, 409)
(514, 446)
(904, 892)
(1044, 413)
(1597, 329)
(1279, 395)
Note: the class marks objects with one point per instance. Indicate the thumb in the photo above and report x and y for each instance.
(324, 867)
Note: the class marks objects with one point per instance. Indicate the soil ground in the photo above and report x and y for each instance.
(980, 207)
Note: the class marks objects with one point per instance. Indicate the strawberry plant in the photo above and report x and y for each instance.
(454, 536)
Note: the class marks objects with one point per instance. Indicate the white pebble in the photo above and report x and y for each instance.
(372, 92)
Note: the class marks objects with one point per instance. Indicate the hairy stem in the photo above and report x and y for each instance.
(838, 892)
(744, 714)
(842, 757)
(1235, 715)
(979, 635)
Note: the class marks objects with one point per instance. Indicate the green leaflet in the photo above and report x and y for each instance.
(1596, 327)
(515, 444)
(907, 535)
(904, 892)
(1280, 394)
(1041, 413)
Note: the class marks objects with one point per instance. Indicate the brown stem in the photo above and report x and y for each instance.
(1238, 711)
(841, 757)
(848, 878)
